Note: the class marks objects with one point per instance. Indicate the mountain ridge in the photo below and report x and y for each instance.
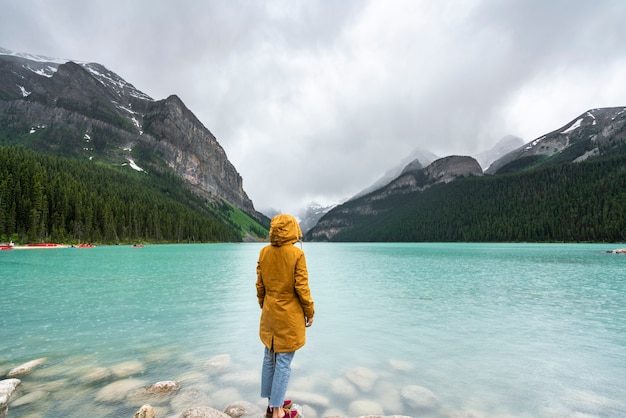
(91, 112)
(594, 135)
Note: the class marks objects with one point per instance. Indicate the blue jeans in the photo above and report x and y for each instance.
(275, 376)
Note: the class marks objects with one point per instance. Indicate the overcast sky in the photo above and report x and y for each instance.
(314, 100)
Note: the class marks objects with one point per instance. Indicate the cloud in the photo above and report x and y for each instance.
(315, 100)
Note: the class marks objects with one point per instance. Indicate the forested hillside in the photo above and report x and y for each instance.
(46, 198)
(567, 202)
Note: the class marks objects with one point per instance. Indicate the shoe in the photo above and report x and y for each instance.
(286, 405)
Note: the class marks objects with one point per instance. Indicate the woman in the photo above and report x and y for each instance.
(282, 289)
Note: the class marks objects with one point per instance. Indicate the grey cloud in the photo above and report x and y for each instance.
(317, 99)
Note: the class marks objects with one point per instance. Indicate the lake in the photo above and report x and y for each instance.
(418, 329)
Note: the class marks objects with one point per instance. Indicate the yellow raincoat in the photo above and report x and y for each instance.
(282, 288)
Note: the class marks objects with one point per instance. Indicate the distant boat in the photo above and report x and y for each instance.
(137, 245)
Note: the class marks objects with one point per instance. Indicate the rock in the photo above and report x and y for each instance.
(30, 397)
(26, 367)
(189, 397)
(618, 251)
(343, 388)
(418, 397)
(7, 387)
(400, 366)
(222, 397)
(128, 368)
(218, 363)
(166, 386)
(203, 412)
(242, 409)
(363, 407)
(156, 394)
(363, 378)
(309, 398)
(97, 374)
(145, 411)
(117, 391)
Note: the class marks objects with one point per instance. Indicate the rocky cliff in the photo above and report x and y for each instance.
(83, 110)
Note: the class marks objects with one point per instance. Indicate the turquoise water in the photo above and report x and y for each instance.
(515, 330)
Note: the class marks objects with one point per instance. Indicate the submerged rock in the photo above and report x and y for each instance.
(203, 412)
(97, 374)
(27, 367)
(30, 397)
(218, 363)
(364, 407)
(7, 387)
(117, 391)
(363, 378)
(419, 397)
(128, 368)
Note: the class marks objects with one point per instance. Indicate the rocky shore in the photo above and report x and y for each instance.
(189, 395)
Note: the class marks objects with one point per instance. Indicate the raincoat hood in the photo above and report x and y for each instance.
(284, 229)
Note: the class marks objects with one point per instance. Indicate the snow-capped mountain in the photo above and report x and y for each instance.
(500, 149)
(84, 110)
(417, 159)
(597, 132)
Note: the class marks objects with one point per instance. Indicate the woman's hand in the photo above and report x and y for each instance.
(308, 322)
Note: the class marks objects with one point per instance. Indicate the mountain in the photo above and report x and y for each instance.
(311, 215)
(595, 133)
(568, 185)
(501, 148)
(380, 202)
(85, 111)
(418, 158)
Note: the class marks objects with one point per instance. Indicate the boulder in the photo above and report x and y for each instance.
(309, 398)
(117, 391)
(203, 412)
(97, 374)
(128, 368)
(418, 397)
(166, 386)
(343, 388)
(7, 387)
(218, 363)
(29, 398)
(243, 409)
(145, 411)
(363, 378)
(27, 367)
(365, 407)
(156, 394)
